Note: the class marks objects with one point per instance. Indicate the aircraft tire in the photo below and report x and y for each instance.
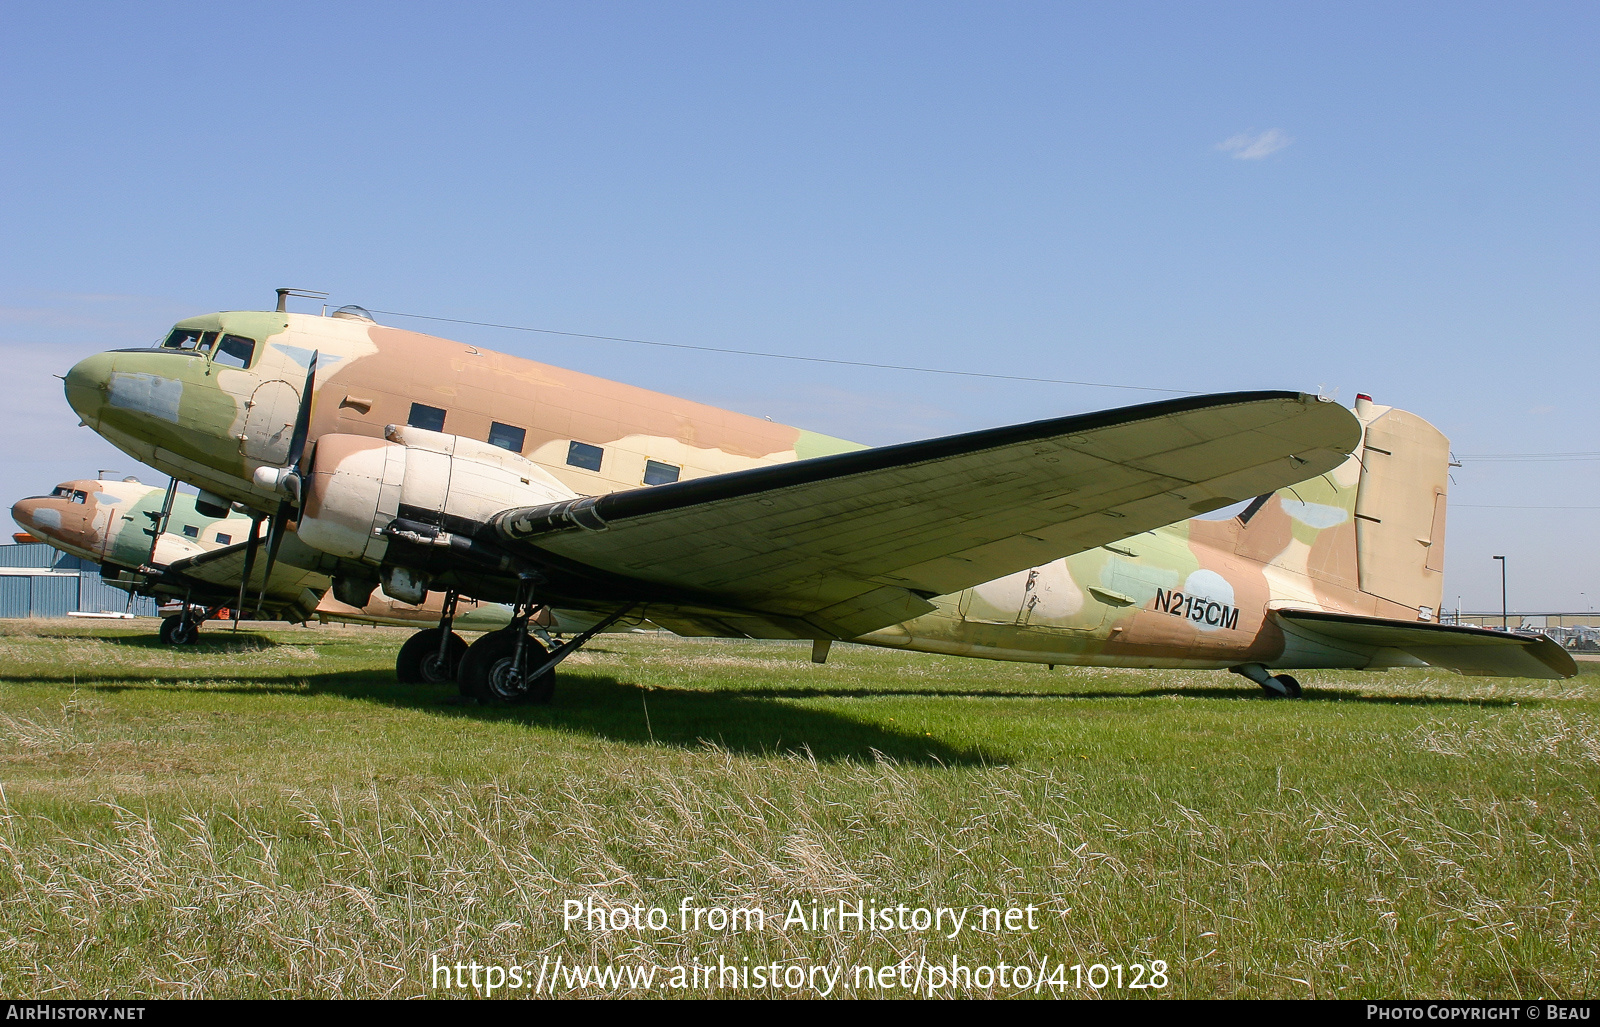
(418, 660)
(179, 630)
(1289, 684)
(488, 674)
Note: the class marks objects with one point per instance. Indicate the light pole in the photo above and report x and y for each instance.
(1505, 618)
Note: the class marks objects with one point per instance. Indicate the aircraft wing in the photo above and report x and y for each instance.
(841, 545)
(1466, 650)
(293, 591)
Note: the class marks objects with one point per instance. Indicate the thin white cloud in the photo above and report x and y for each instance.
(1251, 146)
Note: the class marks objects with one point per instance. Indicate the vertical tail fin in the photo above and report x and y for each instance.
(1374, 524)
(1400, 510)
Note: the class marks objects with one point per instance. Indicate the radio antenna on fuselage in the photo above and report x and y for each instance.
(310, 294)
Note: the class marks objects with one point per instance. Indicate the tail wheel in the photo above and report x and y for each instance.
(419, 662)
(490, 674)
(179, 630)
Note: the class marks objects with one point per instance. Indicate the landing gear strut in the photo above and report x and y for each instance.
(1281, 686)
(179, 630)
(432, 656)
(508, 667)
(497, 670)
(184, 628)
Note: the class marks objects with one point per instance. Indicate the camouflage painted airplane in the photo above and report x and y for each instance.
(427, 464)
(195, 558)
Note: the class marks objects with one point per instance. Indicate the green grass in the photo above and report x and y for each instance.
(270, 814)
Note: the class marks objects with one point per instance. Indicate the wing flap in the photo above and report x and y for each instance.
(1466, 650)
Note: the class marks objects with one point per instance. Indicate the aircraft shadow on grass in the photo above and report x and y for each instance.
(756, 722)
(604, 707)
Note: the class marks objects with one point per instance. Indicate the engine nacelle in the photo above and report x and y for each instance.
(359, 485)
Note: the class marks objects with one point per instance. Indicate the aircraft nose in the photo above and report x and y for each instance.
(36, 515)
(87, 384)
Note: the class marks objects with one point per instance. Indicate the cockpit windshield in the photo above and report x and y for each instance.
(190, 339)
(230, 351)
(69, 494)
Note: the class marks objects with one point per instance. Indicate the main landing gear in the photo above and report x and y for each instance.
(434, 655)
(506, 668)
(1280, 686)
(510, 666)
(184, 628)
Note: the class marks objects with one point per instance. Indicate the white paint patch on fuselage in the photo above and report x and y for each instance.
(1058, 599)
(1208, 587)
(146, 394)
(1315, 515)
(46, 519)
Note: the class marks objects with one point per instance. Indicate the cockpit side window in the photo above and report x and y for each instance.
(234, 351)
(80, 497)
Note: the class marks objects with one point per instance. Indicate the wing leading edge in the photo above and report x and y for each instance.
(840, 545)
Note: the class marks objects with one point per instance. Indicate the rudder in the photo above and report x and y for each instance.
(1400, 508)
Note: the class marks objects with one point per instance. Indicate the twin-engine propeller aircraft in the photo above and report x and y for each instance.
(426, 464)
(152, 541)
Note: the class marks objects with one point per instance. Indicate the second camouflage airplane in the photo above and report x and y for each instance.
(151, 543)
(427, 464)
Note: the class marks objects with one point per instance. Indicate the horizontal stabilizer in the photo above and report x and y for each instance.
(1466, 650)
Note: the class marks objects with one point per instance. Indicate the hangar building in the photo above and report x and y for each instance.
(38, 581)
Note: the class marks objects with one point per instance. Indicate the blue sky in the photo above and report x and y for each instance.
(1398, 199)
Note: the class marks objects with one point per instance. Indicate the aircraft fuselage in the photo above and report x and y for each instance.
(1194, 594)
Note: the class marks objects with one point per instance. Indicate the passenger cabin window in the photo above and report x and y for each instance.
(224, 539)
(191, 530)
(234, 351)
(426, 417)
(581, 454)
(507, 436)
(657, 473)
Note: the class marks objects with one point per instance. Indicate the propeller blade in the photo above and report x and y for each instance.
(249, 565)
(274, 540)
(302, 417)
(297, 451)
